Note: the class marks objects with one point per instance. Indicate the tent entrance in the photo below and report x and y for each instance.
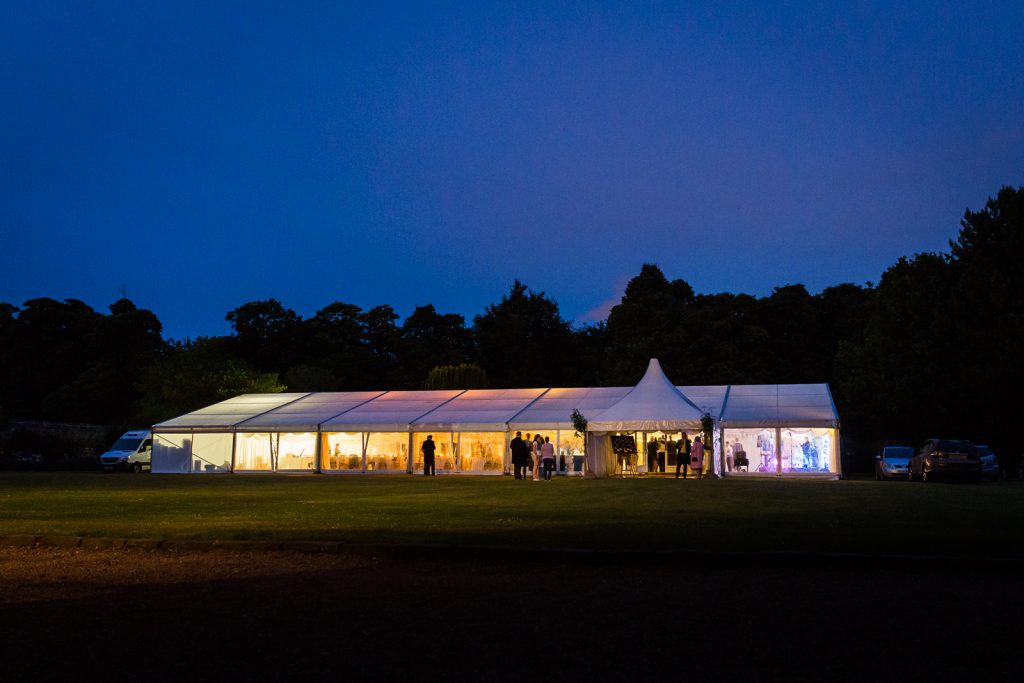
(626, 453)
(661, 451)
(656, 453)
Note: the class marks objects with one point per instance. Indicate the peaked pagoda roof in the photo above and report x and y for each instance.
(654, 404)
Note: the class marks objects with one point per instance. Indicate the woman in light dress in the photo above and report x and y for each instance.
(697, 457)
(530, 455)
(538, 441)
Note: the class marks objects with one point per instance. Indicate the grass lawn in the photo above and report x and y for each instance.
(731, 515)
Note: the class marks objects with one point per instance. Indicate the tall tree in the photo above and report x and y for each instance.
(790, 315)
(265, 334)
(725, 342)
(345, 348)
(649, 322)
(8, 322)
(589, 343)
(522, 341)
(51, 343)
(988, 307)
(190, 374)
(940, 350)
(429, 339)
(900, 378)
(462, 376)
(124, 343)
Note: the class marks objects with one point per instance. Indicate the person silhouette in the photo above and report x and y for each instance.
(428, 456)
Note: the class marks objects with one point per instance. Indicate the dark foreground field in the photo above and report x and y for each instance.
(728, 612)
(135, 615)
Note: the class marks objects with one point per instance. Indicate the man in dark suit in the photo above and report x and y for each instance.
(518, 449)
(428, 456)
(683, 459)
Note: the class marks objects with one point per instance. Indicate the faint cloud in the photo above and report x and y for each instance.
(600, 311)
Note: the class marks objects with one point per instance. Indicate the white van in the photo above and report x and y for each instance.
(133, 451)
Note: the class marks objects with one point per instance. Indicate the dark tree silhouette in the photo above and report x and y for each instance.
(522, 341)
(430, 339)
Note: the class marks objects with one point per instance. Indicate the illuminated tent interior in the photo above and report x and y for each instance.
(778, 430)
(204, 440)
(653, 405)
(285, 439)
(376, 436)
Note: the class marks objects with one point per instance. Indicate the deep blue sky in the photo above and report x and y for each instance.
(205, 155)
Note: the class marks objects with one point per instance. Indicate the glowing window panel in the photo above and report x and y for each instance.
(253, 453)
(482, 452)
(342, 452)
(444, 451)
(750, 451)
(808, 450)
(295, 452)
(387, 452)
(211, 452)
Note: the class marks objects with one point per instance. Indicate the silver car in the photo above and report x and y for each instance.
(893, 462)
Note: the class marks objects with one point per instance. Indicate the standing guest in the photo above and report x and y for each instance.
(739, 457)
(683, 460)
(652, 454)
(810, 454)
(697, 458)
(547, 454)
(528, 461)
(428, 456)
(538, 441)
(518, 456)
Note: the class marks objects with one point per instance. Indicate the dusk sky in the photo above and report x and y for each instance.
(203, 155)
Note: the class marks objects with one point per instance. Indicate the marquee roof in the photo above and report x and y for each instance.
(653, 404)
(553, 410)
(393, 411)
(710, 399)
(478, 410)
(780, 405)
(307, 413)
(227, 414)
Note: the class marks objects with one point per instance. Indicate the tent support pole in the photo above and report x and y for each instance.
(721, 455)
(409, 460)
(778, 451)
(505, 458)
(837, 449)
(364, 439)
(318, 451)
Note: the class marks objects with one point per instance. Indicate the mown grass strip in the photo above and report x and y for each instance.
(866, 517)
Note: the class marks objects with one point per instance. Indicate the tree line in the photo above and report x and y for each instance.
(932, 349)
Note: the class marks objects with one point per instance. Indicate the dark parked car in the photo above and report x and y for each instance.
(946, 458)
(893, 462)
(989, 462)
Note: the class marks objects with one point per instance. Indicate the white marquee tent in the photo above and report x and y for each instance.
(653, 405)
(779, 429)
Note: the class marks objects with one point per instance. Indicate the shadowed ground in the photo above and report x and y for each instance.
(73, 614)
